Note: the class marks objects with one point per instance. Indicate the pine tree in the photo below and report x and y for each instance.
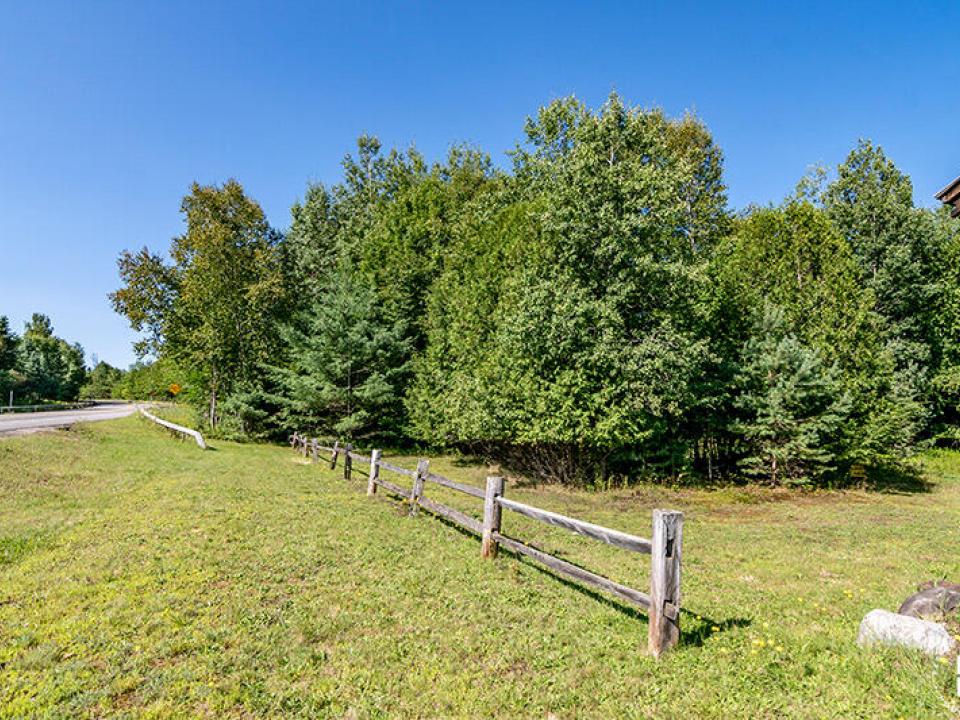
(8, 358)
(792, 405)
(346, 366)
(41, 361)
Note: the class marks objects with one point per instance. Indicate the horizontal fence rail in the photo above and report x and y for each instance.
(662, 602)
(596, 532)
(198, 438)
(636, 597)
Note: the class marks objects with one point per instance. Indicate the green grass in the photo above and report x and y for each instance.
(142, 577)
(180, 414)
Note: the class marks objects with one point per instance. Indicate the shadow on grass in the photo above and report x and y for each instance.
(698, 635)
(898, 478)
(688, 637)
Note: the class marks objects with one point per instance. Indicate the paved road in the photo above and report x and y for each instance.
(20, 423)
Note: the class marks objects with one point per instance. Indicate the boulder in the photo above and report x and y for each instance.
(886, 628)
(935, 601)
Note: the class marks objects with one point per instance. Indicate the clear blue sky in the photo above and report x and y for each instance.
(108, 110)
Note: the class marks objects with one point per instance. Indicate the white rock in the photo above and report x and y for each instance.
(887, 628)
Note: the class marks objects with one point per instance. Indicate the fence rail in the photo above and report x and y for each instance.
(198, 438)
(662, 602)
(596, 532)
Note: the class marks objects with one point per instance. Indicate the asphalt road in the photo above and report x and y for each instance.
(20, 423)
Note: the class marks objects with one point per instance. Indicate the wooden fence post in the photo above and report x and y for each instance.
(316, 451)
(491, 517)
(666, 547)
(333, 457)
(347, 461)
(293, 439)
(374, 473)
(303, 445)
(423, 467)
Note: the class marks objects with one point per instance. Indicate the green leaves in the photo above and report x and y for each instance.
(793, 405)
(596, 311)
(46, 367)
(346, 366)
(567, 308)
(216, 309)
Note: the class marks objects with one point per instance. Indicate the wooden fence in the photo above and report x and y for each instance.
(662, 602)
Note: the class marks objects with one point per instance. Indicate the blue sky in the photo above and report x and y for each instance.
(109, 110)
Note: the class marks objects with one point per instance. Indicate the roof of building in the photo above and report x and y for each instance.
(951, 196)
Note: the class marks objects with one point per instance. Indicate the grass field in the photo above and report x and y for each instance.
(140, 576)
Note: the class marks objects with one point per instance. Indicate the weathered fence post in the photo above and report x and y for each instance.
(316, 451)
(666, 547)
(347, 461)
(374, 472)
(294, 439)
(423, 467)
(333, 456)
(491, 516)
(303, 445)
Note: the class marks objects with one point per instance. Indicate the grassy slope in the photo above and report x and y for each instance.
(141, 576)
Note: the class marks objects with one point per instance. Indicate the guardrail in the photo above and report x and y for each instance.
(662, 602)
(173, 427)
(47, 407)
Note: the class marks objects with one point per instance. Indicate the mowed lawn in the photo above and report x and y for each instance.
(142, 577)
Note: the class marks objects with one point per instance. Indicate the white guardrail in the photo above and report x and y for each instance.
(175, 428)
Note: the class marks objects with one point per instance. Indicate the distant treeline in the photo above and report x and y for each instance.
(38, 367)
(596, 311)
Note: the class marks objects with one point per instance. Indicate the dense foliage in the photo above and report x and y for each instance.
(216, 308)
(38, 366)
(594, 311)
(102, 382)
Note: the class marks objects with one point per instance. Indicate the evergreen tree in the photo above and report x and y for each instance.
(795, 258)
(8, 345)
(346, 367)
(40, 360)
(8, 358)
(792, 404)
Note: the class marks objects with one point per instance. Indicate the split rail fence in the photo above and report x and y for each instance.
(662, 602)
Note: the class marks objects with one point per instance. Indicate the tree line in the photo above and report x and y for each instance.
(38, 366)
(595, 311)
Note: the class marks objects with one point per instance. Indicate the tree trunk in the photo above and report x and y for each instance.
(213, 401)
